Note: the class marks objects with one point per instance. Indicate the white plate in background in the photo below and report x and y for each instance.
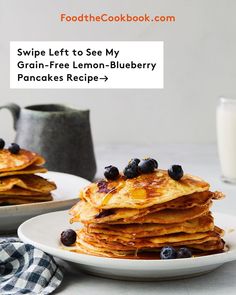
(64, 197)
(44, 233)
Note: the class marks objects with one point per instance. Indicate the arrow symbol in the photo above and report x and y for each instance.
(105, 78)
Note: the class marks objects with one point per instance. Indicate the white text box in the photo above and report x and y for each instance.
(86, 64)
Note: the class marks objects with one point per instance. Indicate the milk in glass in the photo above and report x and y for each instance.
(226, 135)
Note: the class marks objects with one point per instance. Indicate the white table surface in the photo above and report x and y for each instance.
(200, 160)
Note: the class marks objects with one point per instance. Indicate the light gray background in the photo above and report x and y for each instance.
(200, 58)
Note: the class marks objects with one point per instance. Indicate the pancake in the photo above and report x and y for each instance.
(32, 169)
(84, 212)
(13, 162)
(132, 231)
(122, 243)
(17, 191)
(29, 182)
(145, 241)
(86, 248)
(82, 246)
(168, 216)
(148, 243)
(209, 246)
(140, 192)
(18, 200)
(33, 196)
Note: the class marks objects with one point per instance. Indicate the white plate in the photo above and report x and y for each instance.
(44, 233)
(64, 197)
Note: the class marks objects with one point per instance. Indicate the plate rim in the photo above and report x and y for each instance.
(120, 263)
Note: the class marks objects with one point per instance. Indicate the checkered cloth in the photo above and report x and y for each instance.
(25, 269)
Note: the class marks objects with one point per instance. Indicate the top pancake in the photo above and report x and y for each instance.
(13, 162)
(140, 192)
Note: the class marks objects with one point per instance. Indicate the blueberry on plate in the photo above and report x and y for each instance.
(147, 165)
(176, 172)
(111, 172)
(2, 143)
(131, 171)
(184, 252)
(168, 252)
(68, 237)
(14, 148)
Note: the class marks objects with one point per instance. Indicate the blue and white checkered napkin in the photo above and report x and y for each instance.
(27, 270)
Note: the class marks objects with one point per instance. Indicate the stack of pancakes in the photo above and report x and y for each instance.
(18, 184)
(131, 218)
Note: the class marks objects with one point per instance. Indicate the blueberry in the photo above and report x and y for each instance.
(134, 161)
(155, 163)
(184, 253)
(103, 187)
(2, 143)
(68, 237)
(168, 252)
(105, 213)
(176, 172)
(14, 148)
(147, 165)
(111, 172)
(131, 171)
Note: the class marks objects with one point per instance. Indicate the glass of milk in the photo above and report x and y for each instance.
(226, 135)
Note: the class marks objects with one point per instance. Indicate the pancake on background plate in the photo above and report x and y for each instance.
(145, 212)
(32, 169)
(12, 162)
(18, 182)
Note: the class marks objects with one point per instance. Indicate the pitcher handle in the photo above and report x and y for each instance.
(15, 111)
